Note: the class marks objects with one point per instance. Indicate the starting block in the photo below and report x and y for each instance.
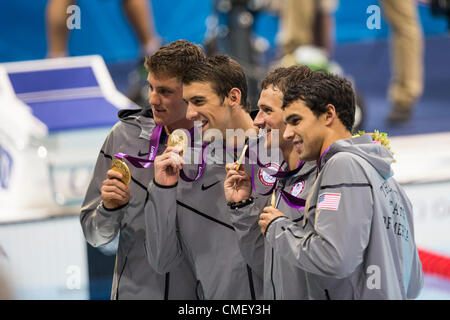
(54, 117)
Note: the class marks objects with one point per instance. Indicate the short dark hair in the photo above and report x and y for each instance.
(173, 59)
(321, 89)
(278, 76)
(223, 73)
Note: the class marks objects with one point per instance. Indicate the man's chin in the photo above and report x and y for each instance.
(160, 121)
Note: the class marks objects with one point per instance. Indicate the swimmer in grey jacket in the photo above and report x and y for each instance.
(191, 218)
(357, 237)
(111, 208)
(282, 280)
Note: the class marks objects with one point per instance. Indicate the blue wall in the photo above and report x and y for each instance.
(105, 30)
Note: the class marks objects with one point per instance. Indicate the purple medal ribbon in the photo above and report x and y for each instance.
(278, 175)
(293, 202)
(287, 174)
(320, 160)
(200, 167)
(153, 149)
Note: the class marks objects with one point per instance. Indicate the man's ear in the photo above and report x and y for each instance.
(234, 97)
(330, 114)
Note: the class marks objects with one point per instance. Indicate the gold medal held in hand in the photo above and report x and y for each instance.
(178, 138)
(121, 167)
(274, 199)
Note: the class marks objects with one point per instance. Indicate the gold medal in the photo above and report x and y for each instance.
(274, 199)
(239, 162)
(121, 167)
(178, 138)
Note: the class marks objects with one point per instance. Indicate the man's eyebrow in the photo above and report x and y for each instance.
(265, 106)
(197, 98)
(290, 117)
(164, 88)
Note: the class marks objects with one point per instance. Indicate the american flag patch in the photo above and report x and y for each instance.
(329, 201)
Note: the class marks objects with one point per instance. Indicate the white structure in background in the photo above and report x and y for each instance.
(54, 117)
(23, 157)
(423, 168)
(55, 114)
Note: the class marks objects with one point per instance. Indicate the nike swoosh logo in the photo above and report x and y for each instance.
(141, 154)
(211, 185)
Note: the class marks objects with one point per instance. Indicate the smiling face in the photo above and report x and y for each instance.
(166, 100)
(206, 106)
(270, 115)
(305, 130)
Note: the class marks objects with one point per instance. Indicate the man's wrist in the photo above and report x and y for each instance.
(163, 186)
(114, 209)
(240, 204)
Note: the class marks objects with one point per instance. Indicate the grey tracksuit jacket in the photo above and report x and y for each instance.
(193, 218)
(282, 279)
(356, 240)
(134, 278)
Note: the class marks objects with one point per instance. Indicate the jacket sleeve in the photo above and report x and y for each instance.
(162, 244)
(416, 278)
(250, 238)
(100, 226)
(335, 245)
(416, 281)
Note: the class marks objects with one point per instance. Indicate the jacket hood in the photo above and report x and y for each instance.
(377, 155)
(125, 113)
(140, 118)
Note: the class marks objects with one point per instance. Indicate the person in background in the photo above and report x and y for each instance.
(137, 12)
(407, 58)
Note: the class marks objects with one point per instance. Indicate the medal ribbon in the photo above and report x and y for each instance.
(320, 160)
(293, 202)
(153, 149)
(200, 167)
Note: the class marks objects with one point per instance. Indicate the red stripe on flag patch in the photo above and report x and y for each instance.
(329, 201)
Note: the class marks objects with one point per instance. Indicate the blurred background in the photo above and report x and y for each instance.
(64, 74)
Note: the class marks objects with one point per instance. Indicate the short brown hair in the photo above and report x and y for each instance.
(223, 73)
(321, 89)
(173, 59)
(278, 77)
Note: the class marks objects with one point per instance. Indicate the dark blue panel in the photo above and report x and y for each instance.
(75, 114)
(33, 81)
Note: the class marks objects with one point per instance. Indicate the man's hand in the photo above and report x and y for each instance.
(167, 167)
(114, 192)
(268, 214)
(237, 184)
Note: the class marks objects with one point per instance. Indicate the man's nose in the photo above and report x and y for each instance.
(191, 114)
(288, 133)
(154, 98)
(259, 120)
